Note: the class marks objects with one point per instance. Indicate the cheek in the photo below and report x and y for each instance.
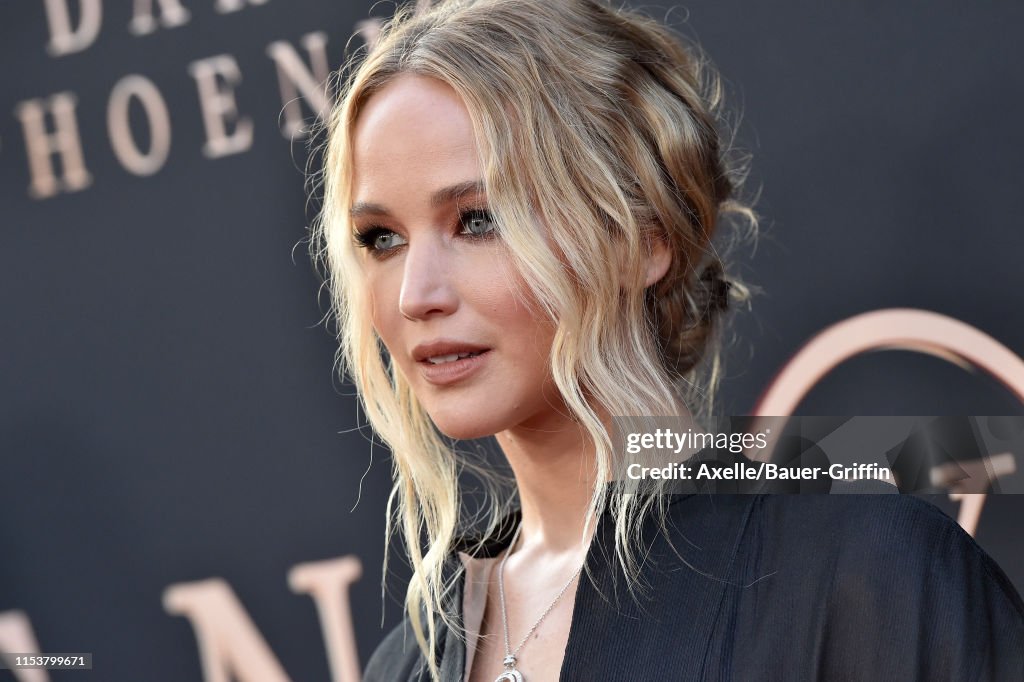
(500, 293)
(512, 308)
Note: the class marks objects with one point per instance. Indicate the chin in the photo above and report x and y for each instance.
(463, 427)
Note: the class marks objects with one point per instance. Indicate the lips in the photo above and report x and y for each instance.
(440, 348)
(444, 362)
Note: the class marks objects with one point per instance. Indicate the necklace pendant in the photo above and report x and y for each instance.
(510, 674)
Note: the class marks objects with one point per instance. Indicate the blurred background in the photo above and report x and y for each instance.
(169, 413)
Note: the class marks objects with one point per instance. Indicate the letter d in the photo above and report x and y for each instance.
(63, 38)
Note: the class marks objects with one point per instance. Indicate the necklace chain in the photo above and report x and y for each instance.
(510, 654)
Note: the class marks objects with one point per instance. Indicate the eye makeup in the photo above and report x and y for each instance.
(476, 224)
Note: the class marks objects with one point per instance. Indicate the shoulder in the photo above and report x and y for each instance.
(396, 657)
(817, 533)
(839, 532)
(881, 516)
(900, 577)
(901, 537)
(904, 527)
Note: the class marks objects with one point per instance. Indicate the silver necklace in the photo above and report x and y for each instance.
(511, 674)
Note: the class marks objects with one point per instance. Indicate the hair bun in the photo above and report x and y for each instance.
(712, 291)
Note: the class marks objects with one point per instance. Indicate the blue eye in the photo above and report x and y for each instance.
(477, 222)
(378, 239)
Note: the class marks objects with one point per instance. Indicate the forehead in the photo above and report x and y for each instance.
(413, 126)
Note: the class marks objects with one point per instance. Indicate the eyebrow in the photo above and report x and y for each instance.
(438, 199)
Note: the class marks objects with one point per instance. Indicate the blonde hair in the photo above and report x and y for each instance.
(596, 128)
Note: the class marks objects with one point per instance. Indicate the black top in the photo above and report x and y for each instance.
(778, 587)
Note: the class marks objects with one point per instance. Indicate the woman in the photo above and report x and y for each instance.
(520, 201)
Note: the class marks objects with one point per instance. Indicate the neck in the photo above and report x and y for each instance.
(554, 466)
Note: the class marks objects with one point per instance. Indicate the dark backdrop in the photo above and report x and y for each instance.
(168, 411)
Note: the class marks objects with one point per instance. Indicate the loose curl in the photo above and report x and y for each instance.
(597, 131)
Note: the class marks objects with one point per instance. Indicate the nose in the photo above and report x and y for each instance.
(427, 286)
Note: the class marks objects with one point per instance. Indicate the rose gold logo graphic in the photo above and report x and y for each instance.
(902, 329)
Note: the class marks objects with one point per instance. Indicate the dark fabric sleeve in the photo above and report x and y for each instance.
(916, 598)
(861, 588)
(396, 659)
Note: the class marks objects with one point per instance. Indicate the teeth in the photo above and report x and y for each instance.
(441, 359)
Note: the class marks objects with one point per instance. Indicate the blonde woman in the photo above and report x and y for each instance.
(520, 203)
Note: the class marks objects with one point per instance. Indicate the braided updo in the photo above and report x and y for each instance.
(687, 182)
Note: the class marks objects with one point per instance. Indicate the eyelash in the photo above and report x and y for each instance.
(367, 238)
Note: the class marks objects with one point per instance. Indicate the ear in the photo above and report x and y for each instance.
(659, 261)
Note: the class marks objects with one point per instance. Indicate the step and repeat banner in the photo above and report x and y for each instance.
(186, 490)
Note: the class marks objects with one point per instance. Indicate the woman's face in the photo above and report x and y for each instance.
(441, 283)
